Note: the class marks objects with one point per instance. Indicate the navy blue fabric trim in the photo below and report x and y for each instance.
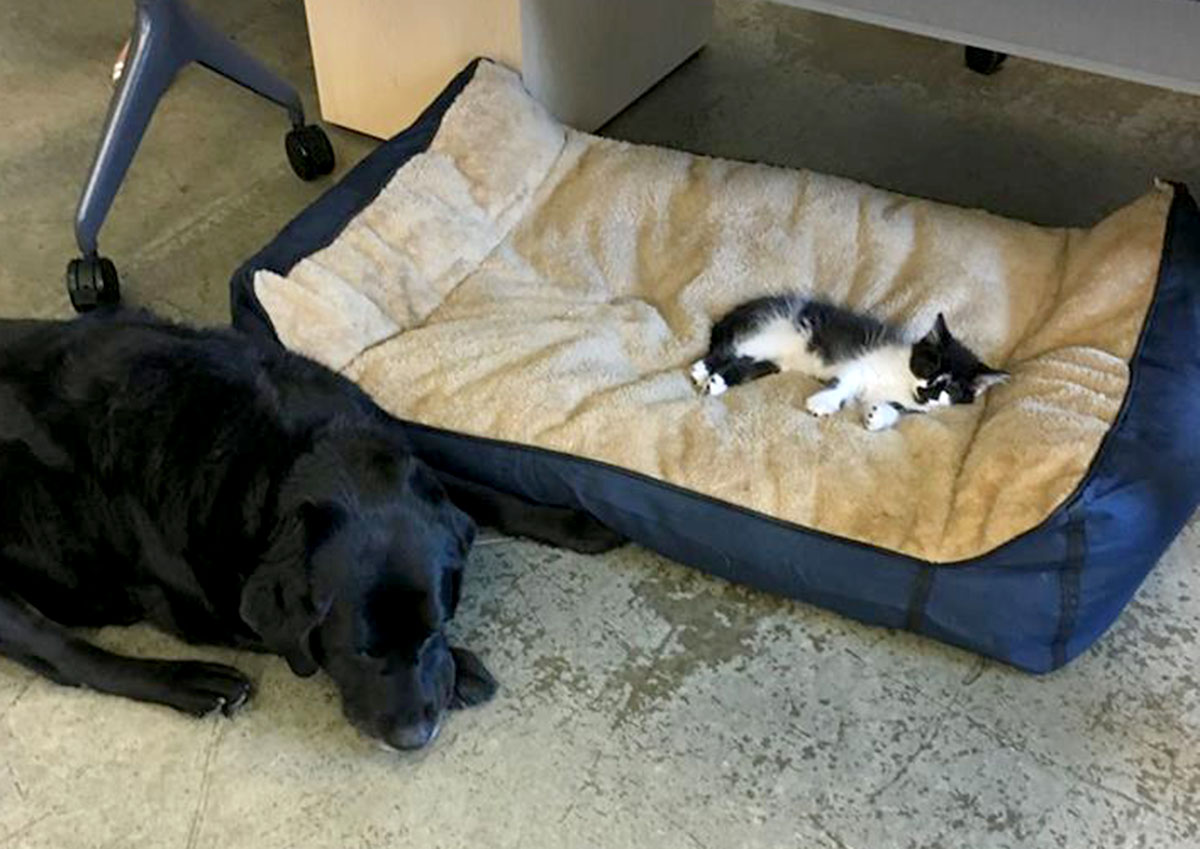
(1146, 484)
(735, 544)
(1036, 601)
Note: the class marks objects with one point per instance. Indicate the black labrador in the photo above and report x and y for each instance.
(235, 494)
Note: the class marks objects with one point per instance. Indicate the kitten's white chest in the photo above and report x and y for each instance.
(883, 374)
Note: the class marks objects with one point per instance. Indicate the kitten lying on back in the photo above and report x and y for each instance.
(858, 356)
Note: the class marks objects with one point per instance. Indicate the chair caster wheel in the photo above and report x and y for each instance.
(986, 62)
(92, 282)
(309, 152)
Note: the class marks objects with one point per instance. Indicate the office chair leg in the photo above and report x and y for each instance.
(167, 36)
(308, 149)
(217, 52)
(152, 63)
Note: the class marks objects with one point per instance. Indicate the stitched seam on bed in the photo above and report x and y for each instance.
(1069, 583)
(922, 587)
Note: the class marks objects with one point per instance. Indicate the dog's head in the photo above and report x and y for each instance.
(363, 572)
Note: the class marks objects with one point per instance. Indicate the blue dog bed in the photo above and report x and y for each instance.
(1035, 599)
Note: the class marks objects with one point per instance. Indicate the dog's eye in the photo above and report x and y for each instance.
(395, 617)
(451, 590)
(315, 646)
(398, 661)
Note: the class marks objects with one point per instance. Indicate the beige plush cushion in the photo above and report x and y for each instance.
(530, 283)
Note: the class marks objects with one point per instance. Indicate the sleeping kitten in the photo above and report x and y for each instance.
(858, 357)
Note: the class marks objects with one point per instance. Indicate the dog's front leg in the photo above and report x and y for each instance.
(514, 516)
(48, 648)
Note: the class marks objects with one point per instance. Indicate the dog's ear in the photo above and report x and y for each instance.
(281, 600)
(473, 684)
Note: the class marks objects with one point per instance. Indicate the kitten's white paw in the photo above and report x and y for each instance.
(699, 373)
(881, 417)
(824, 403)
(715, 385)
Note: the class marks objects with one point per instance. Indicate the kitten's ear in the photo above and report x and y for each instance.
(940, 334)
(988, 378)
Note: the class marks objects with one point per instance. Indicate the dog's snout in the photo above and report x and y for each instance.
(415, 736)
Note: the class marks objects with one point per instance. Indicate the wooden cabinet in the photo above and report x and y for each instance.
(380, 62)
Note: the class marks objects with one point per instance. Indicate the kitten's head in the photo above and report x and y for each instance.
(947, 371)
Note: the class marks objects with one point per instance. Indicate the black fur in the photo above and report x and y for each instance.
(835, 334)
(743, 319)
(231, 494)
(950, 366)
(838, 335)
(735, 370)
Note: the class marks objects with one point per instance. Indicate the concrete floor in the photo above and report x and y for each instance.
(643, 704)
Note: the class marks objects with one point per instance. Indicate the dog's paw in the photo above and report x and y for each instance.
(473, 684)
(823, 403)
(715, 385)
(198, 688)
(699, 373)
(881, 417)
(588, 535)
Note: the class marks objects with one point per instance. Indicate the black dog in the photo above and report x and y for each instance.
(238, 495)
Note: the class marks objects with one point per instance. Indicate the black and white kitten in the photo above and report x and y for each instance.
(859, 358)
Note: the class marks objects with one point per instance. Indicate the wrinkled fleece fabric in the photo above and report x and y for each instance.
(526, 282)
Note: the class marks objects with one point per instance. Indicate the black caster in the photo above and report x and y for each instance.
(309, 152)
(986, 62)
(92, 282)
